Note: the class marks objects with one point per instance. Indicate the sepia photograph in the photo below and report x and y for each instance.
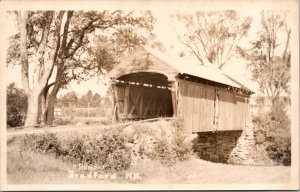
(105, 95)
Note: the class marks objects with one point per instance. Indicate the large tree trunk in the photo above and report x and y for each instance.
(32, 111)
(40, 118)
(43, 107)
(53, 94)
(42, 115)
(51, 106)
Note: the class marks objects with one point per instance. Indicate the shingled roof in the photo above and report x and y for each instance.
(143, 58)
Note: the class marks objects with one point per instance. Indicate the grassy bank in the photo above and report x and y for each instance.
(29, 167)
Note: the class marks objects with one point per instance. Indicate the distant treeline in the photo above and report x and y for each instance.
(89, 100)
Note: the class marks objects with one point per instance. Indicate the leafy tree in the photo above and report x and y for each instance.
(213, 36)
(87, 99)
(269, 59)
(46, 41)
(96, 101)
(270, 56)
(16, 105)
(36, 29)
(70, 99)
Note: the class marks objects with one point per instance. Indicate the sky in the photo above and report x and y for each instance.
(166, 31)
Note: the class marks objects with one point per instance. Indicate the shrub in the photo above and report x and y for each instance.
(108, 148)
(16, 109)
(105, 149)
(47, 142)
(272, 131)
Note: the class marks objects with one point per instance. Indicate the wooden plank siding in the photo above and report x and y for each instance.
(197, 107)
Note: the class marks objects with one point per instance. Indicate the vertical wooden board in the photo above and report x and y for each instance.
(191, 105)
(206, 109)
(192, 100)
(230, 104)
(183, 103)
(203, 110)
(195, 108)
(200, 106)
(242, 105)
(174, 98)
(240, 113)
(189, 113)
(186, 108)
(222, 110)
(220, 120)
(237, 112)
(211, 108)
(233, 109)
(228, 111)
(197, 116)
(183, 107)
(199, 97)
(120, 98)
(191, 108)
(180, 99)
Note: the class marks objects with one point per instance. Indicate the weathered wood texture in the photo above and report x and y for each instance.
(140, 102)
(141, 61)
(202, 111)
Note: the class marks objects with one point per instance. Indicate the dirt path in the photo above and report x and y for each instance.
(79, 127)
(54, 129)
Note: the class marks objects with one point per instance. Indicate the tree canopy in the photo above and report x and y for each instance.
(269, 57)
(213, 36)
(60, 44)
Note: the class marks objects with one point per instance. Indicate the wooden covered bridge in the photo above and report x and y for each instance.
(149, 84)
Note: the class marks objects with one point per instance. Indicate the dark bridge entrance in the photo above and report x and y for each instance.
(142, 95)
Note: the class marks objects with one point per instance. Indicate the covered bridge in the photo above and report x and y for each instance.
(149, 84)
